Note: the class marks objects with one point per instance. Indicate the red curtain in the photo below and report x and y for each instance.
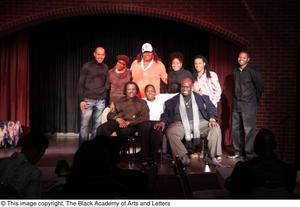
(14, 78)
(222, 60)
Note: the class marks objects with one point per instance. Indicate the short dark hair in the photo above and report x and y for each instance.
(245, 51)
(264, 142)
(132, 83)
(187, 78)
(149, 85)
(177, 55)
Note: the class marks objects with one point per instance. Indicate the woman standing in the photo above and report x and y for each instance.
(177, 72)
(206, 81)
(148, 69)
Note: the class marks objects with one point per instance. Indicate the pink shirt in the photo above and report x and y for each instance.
(152, 75)
(209, 86)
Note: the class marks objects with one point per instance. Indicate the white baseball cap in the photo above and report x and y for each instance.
(147, 47)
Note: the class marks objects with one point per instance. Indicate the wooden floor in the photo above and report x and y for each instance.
(206, 180)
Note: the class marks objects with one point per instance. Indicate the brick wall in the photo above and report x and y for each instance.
(269, 29)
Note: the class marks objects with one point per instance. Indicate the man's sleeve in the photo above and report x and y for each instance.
(258, 83)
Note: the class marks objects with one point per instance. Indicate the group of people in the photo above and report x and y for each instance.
(190, 114)
(133, 92)
(188, 111)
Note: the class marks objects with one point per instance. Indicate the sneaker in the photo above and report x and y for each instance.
(233, 157)
(216, 161)
(218, 158)
(185, 160)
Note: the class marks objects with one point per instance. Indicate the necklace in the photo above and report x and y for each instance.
(187, 103)
(149, 65)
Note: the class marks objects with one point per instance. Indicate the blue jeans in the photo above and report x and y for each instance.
(94, 108)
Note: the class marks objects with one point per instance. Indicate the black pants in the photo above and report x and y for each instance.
(243, 132)
(149, 141)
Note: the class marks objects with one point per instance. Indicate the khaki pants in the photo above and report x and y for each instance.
(175, 133)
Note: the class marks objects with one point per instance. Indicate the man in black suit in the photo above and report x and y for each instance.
(189, 115)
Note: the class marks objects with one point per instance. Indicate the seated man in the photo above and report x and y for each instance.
(130, 115)
(190, 113)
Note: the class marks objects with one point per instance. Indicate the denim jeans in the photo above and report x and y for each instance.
(94, 109)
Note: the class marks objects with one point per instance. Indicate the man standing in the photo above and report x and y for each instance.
(92, 93)
(248, 89)
(188, 113)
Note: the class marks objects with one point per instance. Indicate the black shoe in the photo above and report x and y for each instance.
(185, 160)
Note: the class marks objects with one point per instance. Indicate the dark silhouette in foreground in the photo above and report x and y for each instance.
(94, 174)
(264, 176)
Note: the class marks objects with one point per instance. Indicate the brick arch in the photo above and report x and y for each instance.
(102, 9)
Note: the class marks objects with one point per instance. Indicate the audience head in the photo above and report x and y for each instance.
(186, 86)
(264, 144)
(95, 158)
(131, 89)
(34, 145)
(99, 54)
(176, 60)
(150, 92)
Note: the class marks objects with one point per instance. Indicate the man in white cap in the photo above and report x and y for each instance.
(148, 69)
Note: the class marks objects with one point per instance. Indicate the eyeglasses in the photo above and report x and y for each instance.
(122, 63)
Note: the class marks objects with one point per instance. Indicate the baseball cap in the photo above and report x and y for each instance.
(147, 47)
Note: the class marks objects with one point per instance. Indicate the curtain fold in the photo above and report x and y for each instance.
(222, 60)
(14, 78)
